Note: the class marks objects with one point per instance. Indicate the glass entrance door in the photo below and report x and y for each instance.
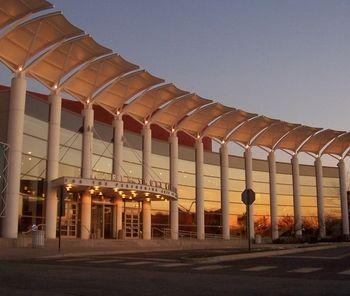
(69, 221)
(108, 221)
(101, 221)
(132, 222)
(97, 221)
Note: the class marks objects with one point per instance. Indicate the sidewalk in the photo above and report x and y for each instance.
(18, 250)
(15, 250)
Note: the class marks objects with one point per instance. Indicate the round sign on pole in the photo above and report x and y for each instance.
(248, 196)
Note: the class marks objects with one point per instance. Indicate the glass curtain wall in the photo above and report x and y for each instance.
(34, 170)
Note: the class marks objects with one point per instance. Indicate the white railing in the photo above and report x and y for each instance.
(185, 234)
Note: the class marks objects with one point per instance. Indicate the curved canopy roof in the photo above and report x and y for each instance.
(148, 102)
(116, 94)
(85, 82)
(172, 113)
(296, 137)
(318, 141)
(58, 54)
(14, 10)
(28, 39)
(247, 132)
(196, 122)
(223, 126)
(53, 65)
(273, 134)
(339, 146)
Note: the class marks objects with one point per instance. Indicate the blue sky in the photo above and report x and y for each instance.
(284, 59)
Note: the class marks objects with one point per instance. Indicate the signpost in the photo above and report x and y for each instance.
(248, 197)
(61, 213)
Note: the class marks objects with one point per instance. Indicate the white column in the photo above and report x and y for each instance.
(53, 151)
(249, 185)
(273, 195)
(15, 141)
(343, 198)
(119, 212)
(88, 114)
(200, 190)
(146, 153)
(174, 211)
(296, 195)
(146, 168)
(224, 176)
(118, 134)
(320, 199)
(117, 217)
(146, 218)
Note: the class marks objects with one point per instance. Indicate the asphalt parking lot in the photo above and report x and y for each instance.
(322, 272)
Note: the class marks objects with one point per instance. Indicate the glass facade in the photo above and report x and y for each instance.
(34, 169)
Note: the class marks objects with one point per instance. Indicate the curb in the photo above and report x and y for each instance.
(242, 256)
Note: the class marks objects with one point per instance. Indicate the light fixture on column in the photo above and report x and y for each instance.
(92, 191)
(115, 189)
(148, 199)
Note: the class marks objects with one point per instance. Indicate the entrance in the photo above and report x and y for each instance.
(132, 220)
(69, 220)
(102, 221)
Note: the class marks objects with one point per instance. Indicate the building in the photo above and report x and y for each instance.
(131, 155)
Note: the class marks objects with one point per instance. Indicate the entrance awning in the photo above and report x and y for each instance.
(127, 189)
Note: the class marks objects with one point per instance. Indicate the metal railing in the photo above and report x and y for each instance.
(158, 233)
(3, 177)
(185, 234)
(34, 228)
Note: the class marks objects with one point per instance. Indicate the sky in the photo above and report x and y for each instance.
(284, 59)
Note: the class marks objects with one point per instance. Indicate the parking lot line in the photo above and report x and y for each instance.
(174, 265)
(105, 261)
(306, 269)
(345, 272)
(137, 263)
(260, 268)
(210, 267)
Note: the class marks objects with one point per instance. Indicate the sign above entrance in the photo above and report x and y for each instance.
(128, 190)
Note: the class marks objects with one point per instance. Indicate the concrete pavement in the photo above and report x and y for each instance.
(317, 272)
